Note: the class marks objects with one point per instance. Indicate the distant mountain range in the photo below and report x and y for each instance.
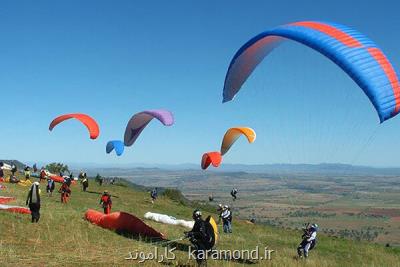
(320, 169)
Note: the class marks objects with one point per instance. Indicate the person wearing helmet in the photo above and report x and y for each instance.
(198, 236)
(106, 202)
(309, 240)
(226, 217)
(33, 201)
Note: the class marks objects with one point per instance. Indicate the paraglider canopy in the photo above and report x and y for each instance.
(352, 51)
(88, 121)
(233, 134)
(209, 158)
(116, 145)
(140, 120)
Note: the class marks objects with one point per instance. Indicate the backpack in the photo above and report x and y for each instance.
(209, 239)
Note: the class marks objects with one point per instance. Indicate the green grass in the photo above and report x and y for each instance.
(64, 238)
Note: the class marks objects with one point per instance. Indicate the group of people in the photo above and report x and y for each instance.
(33, 199)
(201, 236)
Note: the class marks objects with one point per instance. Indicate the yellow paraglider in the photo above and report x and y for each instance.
(233, 134)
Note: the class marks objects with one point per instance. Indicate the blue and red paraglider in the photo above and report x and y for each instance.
(356, 54)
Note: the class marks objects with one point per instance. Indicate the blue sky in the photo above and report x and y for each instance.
(111, 59)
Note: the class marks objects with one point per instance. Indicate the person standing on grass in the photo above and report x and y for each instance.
(50, 187)
(226, 217)
(309, 240)
(33, 200)
(153, 195)
(85, 183)
(106, 202)
(1, 171)
(42, 175)
(27, 173)
(68, 180)
(14, 169)
(65, 193)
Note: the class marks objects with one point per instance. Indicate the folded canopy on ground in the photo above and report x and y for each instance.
(140, 120)
(163, 218)
(16, 209)
(4, 200)
(88, 121)
(25, 182)
(209, 158)
(59, 179)
(233, 134)
(352, 51)
(122, 221)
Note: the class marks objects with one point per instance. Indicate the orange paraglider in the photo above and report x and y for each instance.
(233, 134)
(88, 121)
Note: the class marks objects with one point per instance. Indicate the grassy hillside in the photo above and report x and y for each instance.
(64, 238)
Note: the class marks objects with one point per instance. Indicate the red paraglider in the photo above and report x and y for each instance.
(122, 221)
(213, 158)
(15, 209)
(88, 121)
(59, 179)
(4, 200)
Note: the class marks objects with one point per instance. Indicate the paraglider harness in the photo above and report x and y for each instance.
(308, 230)
(202, 237)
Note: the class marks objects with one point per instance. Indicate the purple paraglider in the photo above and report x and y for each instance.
(140, 120)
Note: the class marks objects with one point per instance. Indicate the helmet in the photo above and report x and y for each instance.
(36, 183)
(196, 214)
(314, 226)
(226, 207)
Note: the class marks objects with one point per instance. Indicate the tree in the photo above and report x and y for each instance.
(57, 168)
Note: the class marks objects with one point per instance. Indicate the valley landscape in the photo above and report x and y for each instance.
(352, 202)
